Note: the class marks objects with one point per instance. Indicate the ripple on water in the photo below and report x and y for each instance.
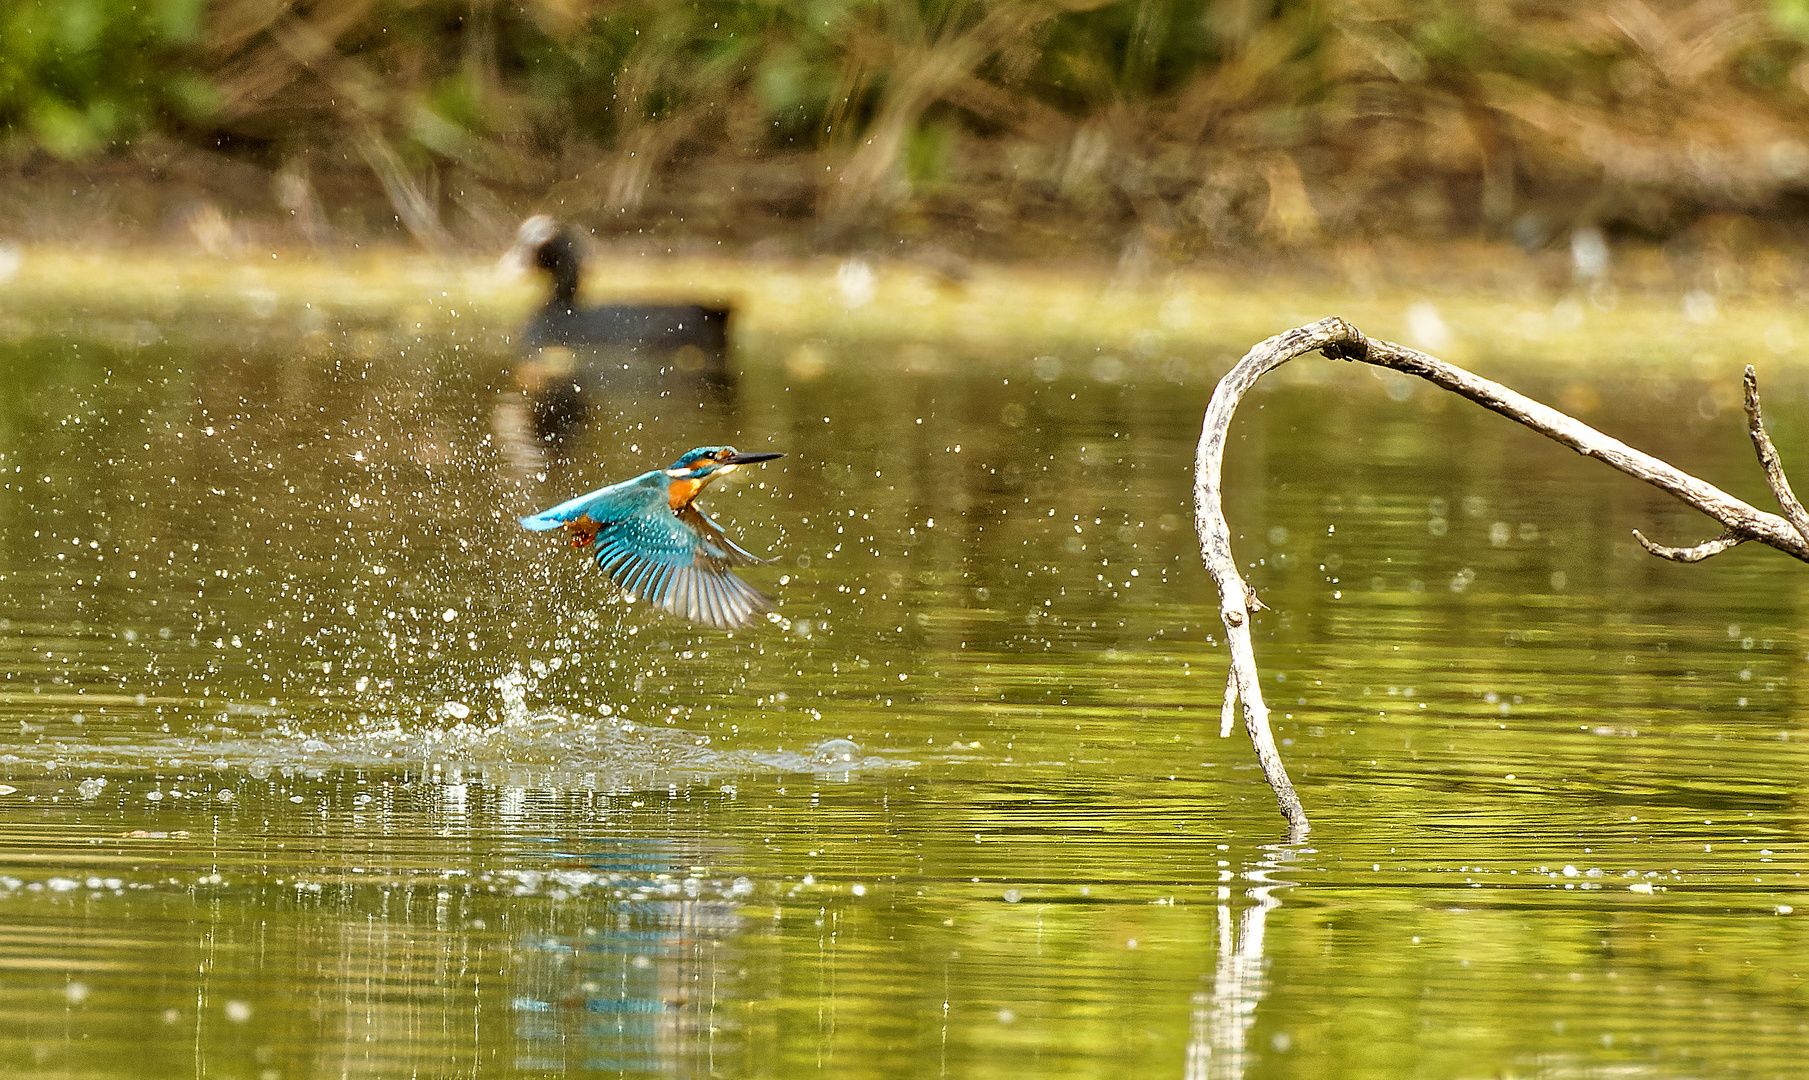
(549, 748)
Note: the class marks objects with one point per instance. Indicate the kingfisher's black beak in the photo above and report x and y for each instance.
(748, 459)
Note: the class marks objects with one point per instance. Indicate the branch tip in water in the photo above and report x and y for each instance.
(1339, 340)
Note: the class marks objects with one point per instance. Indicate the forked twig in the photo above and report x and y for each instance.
(1340, 340)
(1768, 457)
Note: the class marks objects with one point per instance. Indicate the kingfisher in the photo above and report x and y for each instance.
(651, 539)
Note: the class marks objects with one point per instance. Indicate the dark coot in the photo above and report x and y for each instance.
(545, 243)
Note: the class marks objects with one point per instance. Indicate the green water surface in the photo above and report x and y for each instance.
(313, 763)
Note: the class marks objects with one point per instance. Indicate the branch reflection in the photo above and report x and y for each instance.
(1217, 1044)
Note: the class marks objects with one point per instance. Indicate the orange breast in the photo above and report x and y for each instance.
(679, 493)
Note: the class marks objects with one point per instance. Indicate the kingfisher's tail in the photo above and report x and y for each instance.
(541, 522)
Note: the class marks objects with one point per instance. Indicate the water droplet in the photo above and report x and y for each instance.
(1427, 327)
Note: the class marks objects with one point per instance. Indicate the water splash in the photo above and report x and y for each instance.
(552, 747)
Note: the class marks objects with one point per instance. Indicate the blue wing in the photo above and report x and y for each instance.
(676, 562)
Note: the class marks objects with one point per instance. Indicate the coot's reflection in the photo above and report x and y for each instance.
(567, 387)
(653, 397)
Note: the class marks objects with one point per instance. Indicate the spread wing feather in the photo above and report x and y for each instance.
(713, 540)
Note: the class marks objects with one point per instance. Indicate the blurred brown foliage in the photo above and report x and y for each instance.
(1148, 128)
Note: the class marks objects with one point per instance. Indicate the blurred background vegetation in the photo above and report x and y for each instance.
(1142, 130)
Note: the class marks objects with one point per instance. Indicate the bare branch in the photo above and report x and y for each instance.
(1690, 554)
(1340, 340)
(1733, 514)
(1768, 457)
(1215, 544)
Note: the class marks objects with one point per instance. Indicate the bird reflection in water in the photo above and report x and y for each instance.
(639, 988)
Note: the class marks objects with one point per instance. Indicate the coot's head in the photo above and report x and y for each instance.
(544, 243)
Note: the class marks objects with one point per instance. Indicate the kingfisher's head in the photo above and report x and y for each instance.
(690, 473)
(708, 462)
